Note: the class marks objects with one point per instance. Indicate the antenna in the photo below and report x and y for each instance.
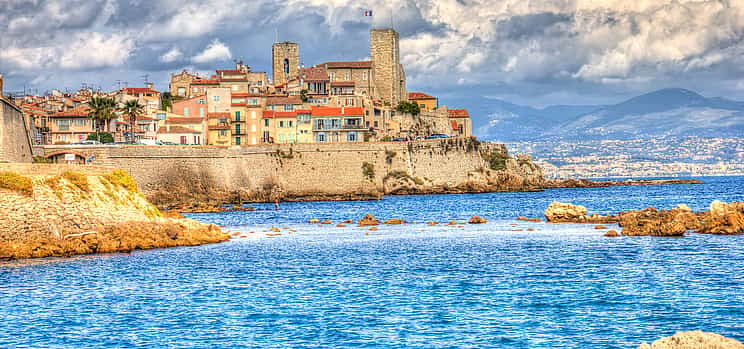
(276, 34)
(145, 77)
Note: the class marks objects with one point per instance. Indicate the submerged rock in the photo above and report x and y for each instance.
(368, 220)
(611, 233)
(394, 221)
(694, 340)
(477, 220)
(522, 218)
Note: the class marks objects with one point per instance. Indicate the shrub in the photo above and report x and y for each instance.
(123, 179)
(16, 182)
(496, 161)
(41, 160)
(79, 180)
(408, 107)
(105, 137)
(368, 170)
(389, 155)
(54, 184)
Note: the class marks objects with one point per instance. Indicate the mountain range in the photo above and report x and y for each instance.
(662, 113)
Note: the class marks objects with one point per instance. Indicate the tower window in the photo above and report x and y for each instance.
(286, 66)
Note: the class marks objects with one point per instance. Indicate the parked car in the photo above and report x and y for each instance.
(149, 142)
(400, 139)
(87, 142)
(437, 136)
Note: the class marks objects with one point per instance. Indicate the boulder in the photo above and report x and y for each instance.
(394, 221)
(611, 233)
(522, 218)
(368, 220)
(314, 220)
(694, 340)
(432, 223)
(559, 212)
(477, 220)
(723, 218)
(327, 221)
(651, 222)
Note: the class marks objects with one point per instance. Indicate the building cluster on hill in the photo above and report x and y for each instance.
(327, 102)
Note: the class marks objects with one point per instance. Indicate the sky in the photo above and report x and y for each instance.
(531, 52)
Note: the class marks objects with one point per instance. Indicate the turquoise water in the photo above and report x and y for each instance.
(488, 285)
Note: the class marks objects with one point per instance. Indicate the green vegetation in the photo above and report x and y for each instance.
(103, 137)
(496, 161)
(409, 108)
(284, 155)
(122, 179)
(398, 174)
(166, 101)
(41, 160)
(54, 184)
(77, 179)
(368, 170)
(132, 110)
(303, 96)
(102, 110)
(16, 182)
(389, 155)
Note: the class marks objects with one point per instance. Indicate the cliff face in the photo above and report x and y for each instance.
(49, 210)
(177, 176)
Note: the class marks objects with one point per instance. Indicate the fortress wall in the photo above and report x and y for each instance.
(15, 145)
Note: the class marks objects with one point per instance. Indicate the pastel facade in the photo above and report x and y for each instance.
(423, 100)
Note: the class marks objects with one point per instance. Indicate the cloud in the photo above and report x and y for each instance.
(216, 51)
(171, 56)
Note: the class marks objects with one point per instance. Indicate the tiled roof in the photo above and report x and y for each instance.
(205, 82)
(176, 129)
(353, 65)
(279, 114)
(454, 124)
(342, 83)
(314, 74)
(283, 100)
(78, 111)
(137, 90)
(346, 111)
(184, 120)
(458, 113)
(419, 95)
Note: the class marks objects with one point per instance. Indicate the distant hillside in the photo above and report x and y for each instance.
(667, 112)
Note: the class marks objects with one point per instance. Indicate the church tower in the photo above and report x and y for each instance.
(388, 73)
(285, 58)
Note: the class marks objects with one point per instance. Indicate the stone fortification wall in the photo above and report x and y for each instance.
(15, 144)
(168, 174)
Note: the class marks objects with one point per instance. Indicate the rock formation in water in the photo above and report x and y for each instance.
(694, 340)
(561, 212)
(46, 210)
(723, 218)
(367, 220)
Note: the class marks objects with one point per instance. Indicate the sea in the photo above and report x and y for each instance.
(503, 284)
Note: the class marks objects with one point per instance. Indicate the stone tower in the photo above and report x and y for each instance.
(387, 71)
(285, 58)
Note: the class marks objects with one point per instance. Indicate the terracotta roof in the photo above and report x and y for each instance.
(353, 65)
(184, 120)
(279, 114)
(176, 129)
(419, 95)
(240, 94)
(218, 127)
(136, 90)
(205, 82)
(454, 124)
(283, 100)
(342, 83)
(237, 104)
(346, 111)
(314, 74)
(458, 113)
(303, 111)
(78, 111)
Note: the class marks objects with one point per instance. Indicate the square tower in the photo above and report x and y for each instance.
(285, 58)
(387, 70)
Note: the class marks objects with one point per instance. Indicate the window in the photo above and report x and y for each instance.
(303, 118)
(237, 116)
(80, 122)
(197, 139)
(186, 111)
(290, 123)
(260, 83)
(281, 138)
(181, 91)
(321, 137)
(253, 128)
(160, 116)
(288, 107)
(346, 76)
(195, 89)
(183, 140)
(266, 122)
(237, 140)
(216, 98)
(253, 140)
(460, 129)
(222, 133)
(281, 123)
(63, 125)
(253, 101)
(335, 123)
(332, 76)
(222, 120)
(319, 124)
(422, 106)
(350, 102)
(202, 101)
(351, 136)
(237, 129)
(364, 75)
(352, 122)
(201, 112)
(286, 66)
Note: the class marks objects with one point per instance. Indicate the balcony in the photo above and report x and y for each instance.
(238, 132)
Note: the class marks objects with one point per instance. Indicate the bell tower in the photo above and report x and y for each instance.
(285, 58)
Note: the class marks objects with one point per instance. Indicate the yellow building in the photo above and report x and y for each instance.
(281, 126)
(218, 129)
(304, 126)
(424, 101)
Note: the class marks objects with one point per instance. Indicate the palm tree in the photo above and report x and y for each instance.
(132, 109)
(101, 110)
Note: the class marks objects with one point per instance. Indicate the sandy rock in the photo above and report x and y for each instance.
(477, 220)
(432, 223)
(394, 221)
(558, 212)
(340, 225)
(327, 221)
(650, 222)
(522, 218)
(612, 233)
(599, 227)
(314, 220)
(348, 221)
(694, 340)
(723, 218)
(368, 220)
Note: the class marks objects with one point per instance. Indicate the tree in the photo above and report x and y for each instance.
(303, 96)
(132, 109)
(166, 101)
(408, 107)
(101, 111)
(103, 137)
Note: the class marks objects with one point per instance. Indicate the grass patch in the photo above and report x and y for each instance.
(55, 184)
(496, 161)
(16, 182)
(77, 179)
(122, 179)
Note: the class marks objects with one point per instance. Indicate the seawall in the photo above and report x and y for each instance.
(177, 175)
(15, 144)
(60, 210)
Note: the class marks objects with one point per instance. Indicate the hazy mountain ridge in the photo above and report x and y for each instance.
(667, 112)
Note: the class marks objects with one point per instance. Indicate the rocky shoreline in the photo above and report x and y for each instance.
(585, 183)
(694, 340)
(56, 210)
(721, 218)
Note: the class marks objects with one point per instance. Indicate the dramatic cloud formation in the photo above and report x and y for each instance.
(528, 51)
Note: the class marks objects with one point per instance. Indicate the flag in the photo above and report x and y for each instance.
(368, 13)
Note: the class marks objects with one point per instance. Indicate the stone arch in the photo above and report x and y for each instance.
(59, 157)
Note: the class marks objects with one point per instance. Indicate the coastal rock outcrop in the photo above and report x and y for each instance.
(368, 220)
(393, 221)
(477, 220)
(61, 211)
(694, 340)
(561, 212)
(723, 218)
